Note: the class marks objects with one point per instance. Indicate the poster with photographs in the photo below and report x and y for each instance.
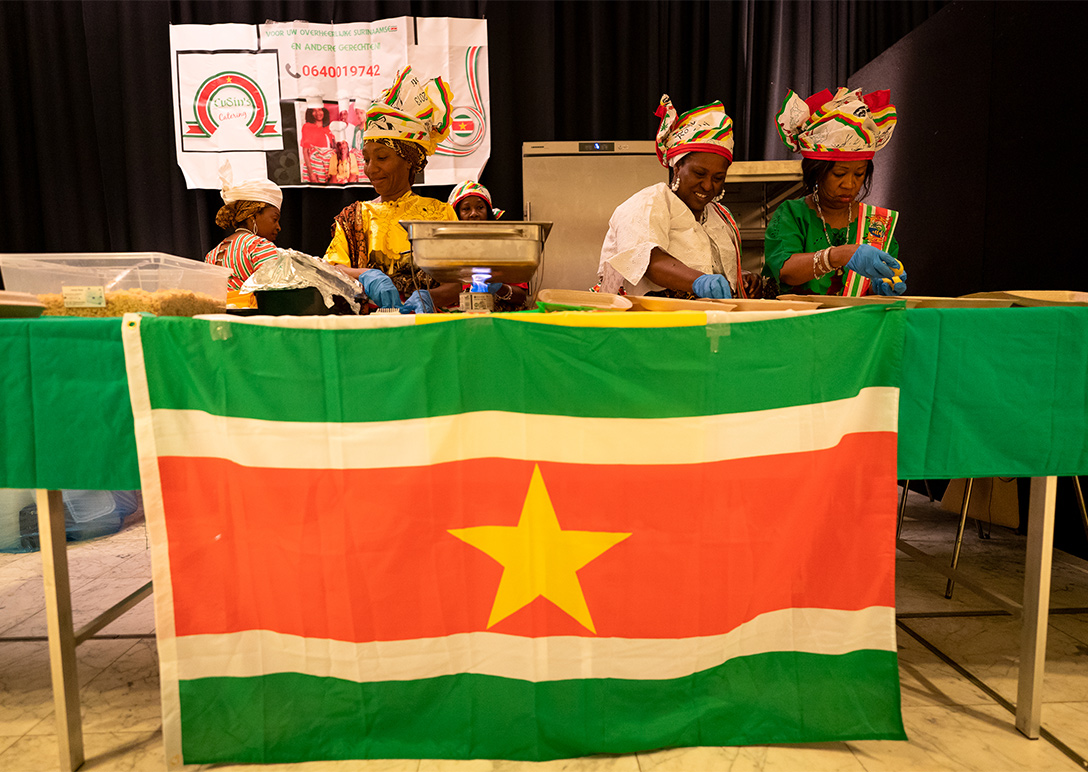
(287, 100)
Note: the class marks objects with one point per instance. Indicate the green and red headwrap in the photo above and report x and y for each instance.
(705, 129)
(473, 188)
(411, 111)
(846, 126)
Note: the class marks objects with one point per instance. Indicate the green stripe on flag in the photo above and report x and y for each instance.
(290, 717)
(466, 365)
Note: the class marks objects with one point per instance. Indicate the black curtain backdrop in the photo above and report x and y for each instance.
(88, 156)
(984, 90)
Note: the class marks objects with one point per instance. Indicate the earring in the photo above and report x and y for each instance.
(675, 186)
(719, 197)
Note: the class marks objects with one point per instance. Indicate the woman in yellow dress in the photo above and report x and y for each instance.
(401, 129)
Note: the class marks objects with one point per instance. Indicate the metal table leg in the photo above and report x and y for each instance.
(950, 585)
(1080, 504)
(62, 639)
(1029, 691)
(902, 510)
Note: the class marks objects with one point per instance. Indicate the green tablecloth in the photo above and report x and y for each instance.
(984, 392)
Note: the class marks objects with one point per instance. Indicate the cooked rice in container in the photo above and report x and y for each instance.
(171, 302)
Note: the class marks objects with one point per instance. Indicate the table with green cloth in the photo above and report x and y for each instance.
(983, 392)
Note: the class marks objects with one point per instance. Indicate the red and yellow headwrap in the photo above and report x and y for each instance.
(473, 188)
(705, 129)
(845, 126)
(411, 110)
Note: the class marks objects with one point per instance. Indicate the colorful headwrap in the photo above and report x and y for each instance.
(473, 188)
(411, 111)
(845, 126)
(705, 129)
(262, 190)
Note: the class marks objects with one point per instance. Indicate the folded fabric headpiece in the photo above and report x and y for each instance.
(846, 126)
(411, 110)
(473, 188)
(705, 129)
(257, 189)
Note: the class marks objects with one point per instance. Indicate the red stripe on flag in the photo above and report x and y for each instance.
(362, 555)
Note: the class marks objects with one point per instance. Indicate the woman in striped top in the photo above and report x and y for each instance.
(251, 216)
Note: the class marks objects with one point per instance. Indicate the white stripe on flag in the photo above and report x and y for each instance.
(262, 652)
(495, 434)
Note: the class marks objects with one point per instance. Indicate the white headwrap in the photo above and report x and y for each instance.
(258, 189)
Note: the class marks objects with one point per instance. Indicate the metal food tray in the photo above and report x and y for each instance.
(450, 251)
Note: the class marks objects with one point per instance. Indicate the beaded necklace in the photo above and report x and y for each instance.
(823, 222)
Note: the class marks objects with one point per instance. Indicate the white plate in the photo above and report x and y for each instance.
(931, 301)
(1038, 297)
(598, 301)
(767, 304)
(653, 303)
(839, 301)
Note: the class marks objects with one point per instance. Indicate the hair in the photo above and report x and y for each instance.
(229, 215)
(814, 169)
(311, 116)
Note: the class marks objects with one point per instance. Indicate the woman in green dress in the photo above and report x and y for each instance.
(829, 242)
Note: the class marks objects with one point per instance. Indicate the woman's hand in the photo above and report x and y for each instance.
(894, 286)
(872, 263)
(712, 285)
(419, 302)
(379, 288)
(753, 284)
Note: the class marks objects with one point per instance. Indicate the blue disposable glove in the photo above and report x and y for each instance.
(712, 285)
(899, 286)
(873, 264)
(494, 287)
(379, 288)
(419, 302)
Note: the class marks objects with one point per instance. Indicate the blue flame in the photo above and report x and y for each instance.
(479, 281)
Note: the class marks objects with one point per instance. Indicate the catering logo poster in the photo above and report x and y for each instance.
(229, 101)
(313, 82)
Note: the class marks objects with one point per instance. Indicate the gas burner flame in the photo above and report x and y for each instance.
(480, 280)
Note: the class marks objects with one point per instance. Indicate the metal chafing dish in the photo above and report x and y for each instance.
(509, 251)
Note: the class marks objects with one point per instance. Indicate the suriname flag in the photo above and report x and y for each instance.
(527, 536)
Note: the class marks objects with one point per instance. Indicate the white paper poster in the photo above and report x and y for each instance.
(286, 99)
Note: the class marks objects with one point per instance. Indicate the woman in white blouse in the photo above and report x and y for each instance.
(674, 239)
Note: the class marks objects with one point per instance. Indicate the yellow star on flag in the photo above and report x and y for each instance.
(538, 557)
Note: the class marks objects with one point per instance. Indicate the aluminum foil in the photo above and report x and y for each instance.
(291, 269)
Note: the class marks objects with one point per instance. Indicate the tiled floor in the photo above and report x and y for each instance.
(952, 724)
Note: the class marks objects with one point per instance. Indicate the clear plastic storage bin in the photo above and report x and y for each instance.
(114, 283)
